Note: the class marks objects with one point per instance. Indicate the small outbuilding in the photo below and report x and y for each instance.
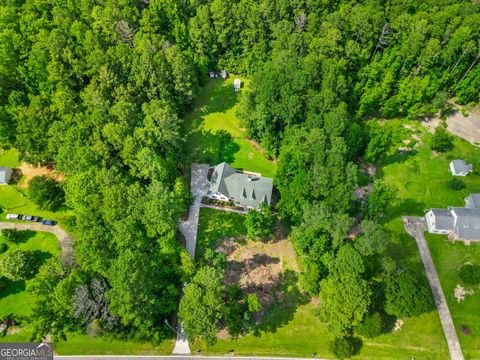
(224, 74)
(5, 174)
(460, 167)
(237, 83)
(211, 73)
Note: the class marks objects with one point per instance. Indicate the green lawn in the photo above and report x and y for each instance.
(294, 330)
(216, 224)
(449, 258)
(15, 201)
(214, 134)
(422, 182)
(81, 344)
(9, 158)
(15, 298)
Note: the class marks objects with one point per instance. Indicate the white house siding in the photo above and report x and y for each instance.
(430, 217)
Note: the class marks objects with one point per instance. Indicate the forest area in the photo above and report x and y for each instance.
(97, 90)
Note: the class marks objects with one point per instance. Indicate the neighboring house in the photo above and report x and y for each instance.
(472, 201)
(243, 188)
(460, 168)
(5, 175)
(237, 83)
(223, 74)
(459, 223)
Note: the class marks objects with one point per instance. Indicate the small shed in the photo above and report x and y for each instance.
(5, 174)
(460, 167)
(237, 83)
(224, 74)
(211, 73)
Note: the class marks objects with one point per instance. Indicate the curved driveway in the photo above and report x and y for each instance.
(63, 238)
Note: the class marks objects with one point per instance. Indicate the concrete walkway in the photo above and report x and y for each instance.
(243, 212)
(198, 188)
(416, 226)
(63, 238)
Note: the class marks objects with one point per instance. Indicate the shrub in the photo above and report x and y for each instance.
(3, 248)
(441, 141)
(46, 193)
(260, 223)
(456, 184)
(470, 274)
(12, 235)
(344, 347)
(18, 265)
(371, 326)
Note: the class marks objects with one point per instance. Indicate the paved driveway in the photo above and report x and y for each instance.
(63, 238)
(198, 188)
(416, 226)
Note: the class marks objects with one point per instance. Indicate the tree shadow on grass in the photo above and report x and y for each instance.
(407, 207)
(286, 299)
(397, 158)
(12, 287)
(213, 147)
(25, 235)
(222, 98)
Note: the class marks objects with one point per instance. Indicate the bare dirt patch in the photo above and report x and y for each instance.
(431, 123)
(460, 293)
(258, 267)
(28, 171)
(468, 127)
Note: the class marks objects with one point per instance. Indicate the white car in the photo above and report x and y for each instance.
(13, 217)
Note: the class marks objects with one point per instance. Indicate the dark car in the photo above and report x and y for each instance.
(48, 222)
(30, 218)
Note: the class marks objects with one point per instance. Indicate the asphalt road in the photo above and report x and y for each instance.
(176, 357)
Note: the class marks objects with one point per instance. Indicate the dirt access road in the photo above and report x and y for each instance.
(466, 127)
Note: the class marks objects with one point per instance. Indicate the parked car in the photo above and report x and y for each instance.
(13, 217)
(30, 218)
(48, 222)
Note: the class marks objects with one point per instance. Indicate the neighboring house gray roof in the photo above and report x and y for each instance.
(472, 201)
(245, 189)
(460, 166)
(443, 219)
(5, 174)
(467, 224)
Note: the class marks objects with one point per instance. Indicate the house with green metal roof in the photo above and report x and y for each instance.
(244, 188)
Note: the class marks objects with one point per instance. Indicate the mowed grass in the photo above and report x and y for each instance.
(15, 298)
(296, 331)
(214, 134)
(215, 225)
(422, 181)
(81, 344)
(449, 258)
(9, 158)
(14, 200)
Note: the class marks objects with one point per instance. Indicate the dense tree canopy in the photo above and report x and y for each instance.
(98, 89)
